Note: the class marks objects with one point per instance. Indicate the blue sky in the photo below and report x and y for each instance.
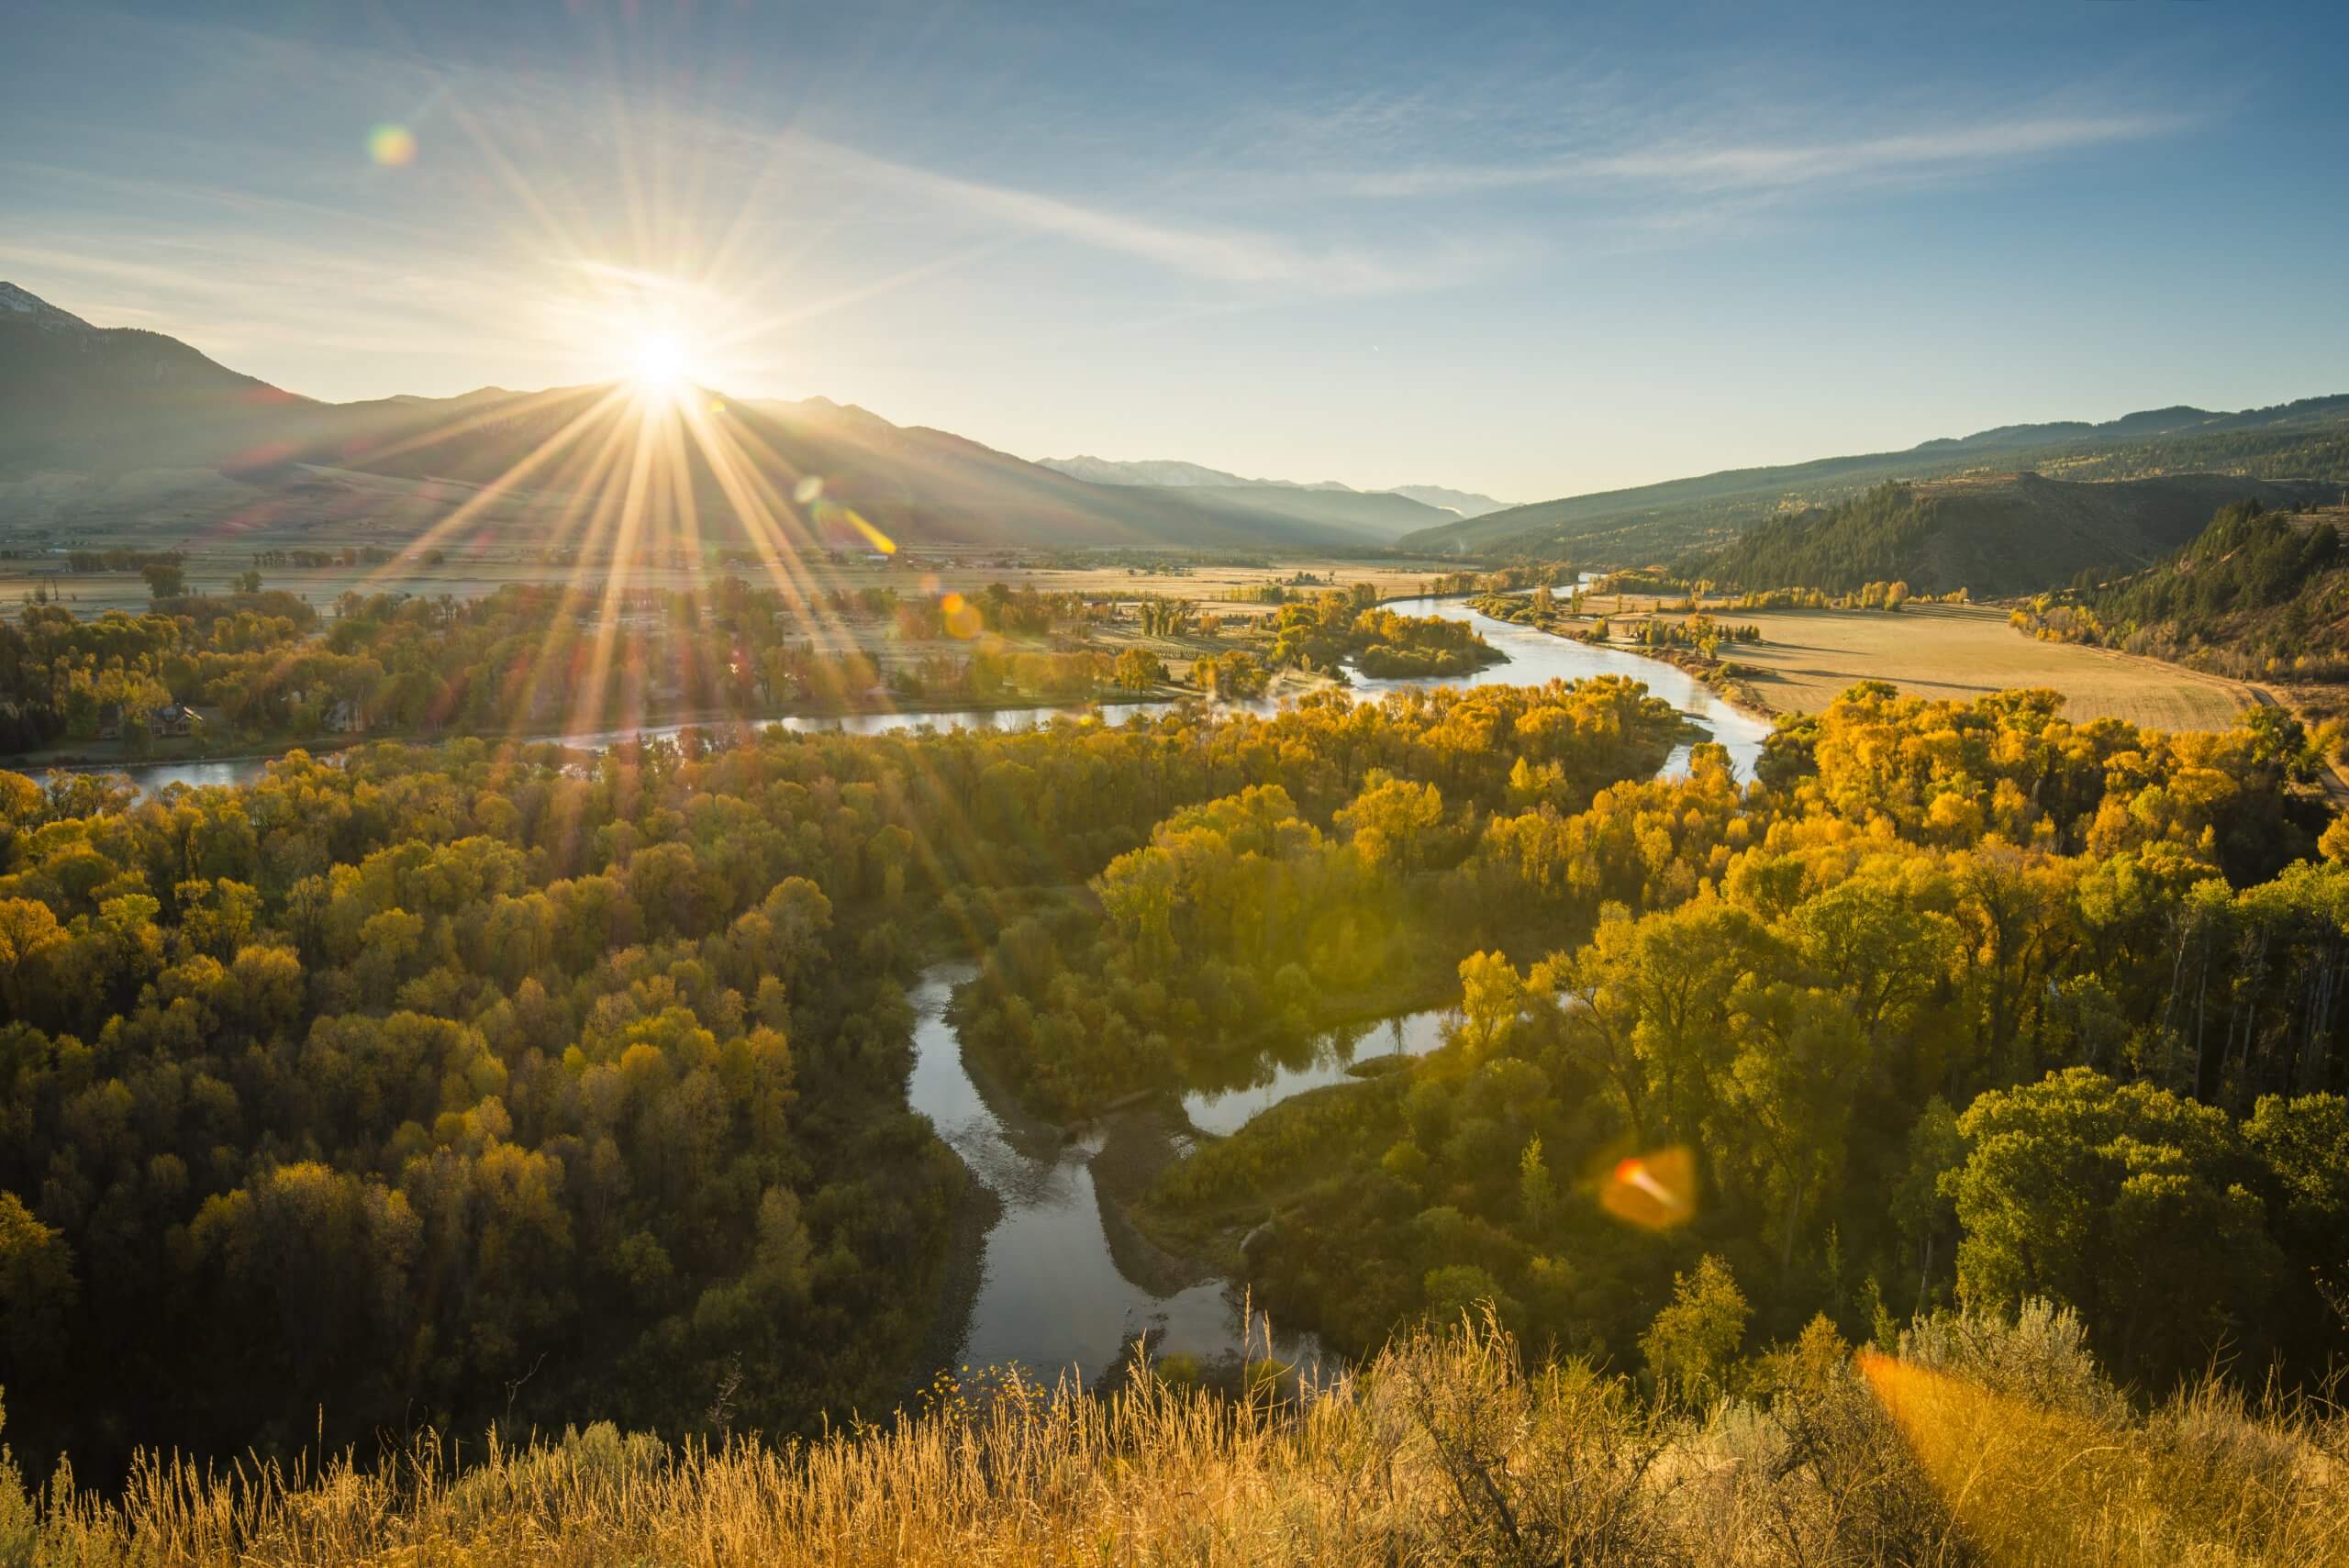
(1528, 250)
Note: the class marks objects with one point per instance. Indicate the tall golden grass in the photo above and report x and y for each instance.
(1446, 1449)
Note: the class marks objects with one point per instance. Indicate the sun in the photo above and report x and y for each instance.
(661, 364)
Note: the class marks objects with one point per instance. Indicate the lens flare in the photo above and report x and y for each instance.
(962, 616)
(393, 146)
(880, 542)
(1655, 1191)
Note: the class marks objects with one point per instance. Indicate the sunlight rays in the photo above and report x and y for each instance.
(661, 365)
(647, 480)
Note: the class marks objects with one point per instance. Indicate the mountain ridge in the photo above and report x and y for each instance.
(1993, 536)
(102, 404)
(1175, 473)
(1648, 524)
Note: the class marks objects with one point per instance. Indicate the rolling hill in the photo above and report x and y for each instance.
(1376, 518)
(1653, 523)
(1368, 511)
(108, 433)
(1993, 536)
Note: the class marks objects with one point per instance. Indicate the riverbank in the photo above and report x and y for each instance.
(660, 721)
(978, 1211)
(1724, 676)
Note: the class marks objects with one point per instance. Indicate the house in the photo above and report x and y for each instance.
(343, 717)
(110, 721)
(174, 718)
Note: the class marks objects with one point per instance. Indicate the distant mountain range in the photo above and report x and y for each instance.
(112, 432)
(1364, 507)
(1658, 523)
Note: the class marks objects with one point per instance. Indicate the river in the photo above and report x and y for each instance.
(1051, 1296)
(1534, 658)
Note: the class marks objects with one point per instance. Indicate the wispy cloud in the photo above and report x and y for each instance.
(1220, 254)
(1738, 164)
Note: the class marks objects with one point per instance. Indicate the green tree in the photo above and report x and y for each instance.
(2123, 1201)
(1692, 1344)
(37, 1290)
(1537, 1191)
(29, 931)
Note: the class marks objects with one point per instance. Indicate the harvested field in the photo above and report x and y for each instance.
(1809, 657)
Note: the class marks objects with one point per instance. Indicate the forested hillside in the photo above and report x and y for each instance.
(2307, 439)
(2010, 534)
(2258, 594)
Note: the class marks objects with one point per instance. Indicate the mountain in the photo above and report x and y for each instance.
(1652, 523)
(114, 433)
(2009, 534)
(1167, 473)
(1375, 517)
(1467, 503)
(75, 395)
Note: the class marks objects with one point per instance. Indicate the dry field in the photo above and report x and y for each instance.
(466, 578)
(1963, 651)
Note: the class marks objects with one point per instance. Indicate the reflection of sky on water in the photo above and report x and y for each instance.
(1050, 1297)
(1225, 1111)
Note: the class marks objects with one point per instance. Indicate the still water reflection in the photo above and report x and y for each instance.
(1052, 1295)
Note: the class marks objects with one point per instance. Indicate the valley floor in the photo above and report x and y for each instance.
(1961, 652)
(1809, 657)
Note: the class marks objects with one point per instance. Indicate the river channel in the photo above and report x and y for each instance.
(1051, 1296)
(1534, 658)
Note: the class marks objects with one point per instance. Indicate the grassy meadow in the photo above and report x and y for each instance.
(1979, 1442)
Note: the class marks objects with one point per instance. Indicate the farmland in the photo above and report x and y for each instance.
(1809, 657)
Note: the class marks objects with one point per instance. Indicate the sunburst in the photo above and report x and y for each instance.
(661, 365)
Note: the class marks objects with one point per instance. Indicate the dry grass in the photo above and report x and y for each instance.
(1445, 1450)
(1810, 657)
